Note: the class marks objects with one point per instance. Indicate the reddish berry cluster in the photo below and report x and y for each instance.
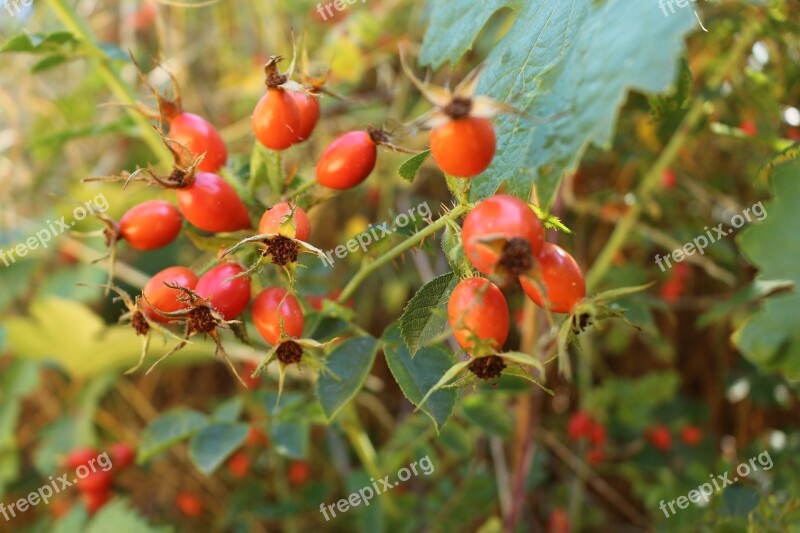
(581, 425)
(95, 486)
(503, 238)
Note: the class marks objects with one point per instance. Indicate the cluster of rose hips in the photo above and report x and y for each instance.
(96, 488)
(660, 437)
(504, 239)
(462, 144)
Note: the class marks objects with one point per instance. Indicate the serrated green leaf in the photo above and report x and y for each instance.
(351, 362)
(770, 338)
(408, 170)
(426, 313)
(562, 60)
(418, 375)
(213, 444)
(168, 429)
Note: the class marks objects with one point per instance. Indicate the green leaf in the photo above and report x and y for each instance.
(418, 375)
(564, 61)
(228, 411)
(168, 429)
(489, 414)
(290, 437)
(408, 170)
(38, 42)
(48, 63)
(74, 520)
(738, 501)
(351, 362)
(426, 313)
(119, 517)
(770, 338)
(213, 444)
(456, 439)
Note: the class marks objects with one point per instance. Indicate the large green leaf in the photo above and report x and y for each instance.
(119, 517)
(169, 429)
(350, 364)
(418, 375)
(771, 338)
(426, 313)
(213, 444)
(570, 60)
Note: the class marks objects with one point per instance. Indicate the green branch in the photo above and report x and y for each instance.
(368, 268)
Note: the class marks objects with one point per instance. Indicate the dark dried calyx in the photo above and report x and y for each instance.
(516, 258)
(289, 352)
(488, 367)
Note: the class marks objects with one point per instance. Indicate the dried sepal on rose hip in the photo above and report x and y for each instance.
(201, 317)
(199, 135)
(136, 314)
(284, 230)
(279, 319)
(463, 141)
(205, 199)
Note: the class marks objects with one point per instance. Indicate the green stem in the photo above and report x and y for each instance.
(368, 268)
(111, 77)
(301, 189)
(650, 182)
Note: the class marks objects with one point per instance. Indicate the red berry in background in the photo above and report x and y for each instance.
(749, 128)
(256, 437)
(597, 434)
(211, 204)
(464, 147)
(580, 425)
(691, 435)
(793, 133)
(668, 179)
(273, 218)
(273, 306)
(162, 297)
(298, 473)
(150, 225)
(189, 504)
(477, 308)
(660, 437)
(94, 501)
(561, 277)
(239, 464)
(199, 136)
(595, 456)
(229, 296)
(347, 161)
(675, 286)
(122, 455)
(59, 508)
(80, 456)
(276, 119)
(143, 17)
(558, 521)
(309, 114)
(97, 481)
(499, 216)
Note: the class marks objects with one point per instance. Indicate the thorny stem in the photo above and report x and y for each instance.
(650, 181)
(110, 76)
(368, 268)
